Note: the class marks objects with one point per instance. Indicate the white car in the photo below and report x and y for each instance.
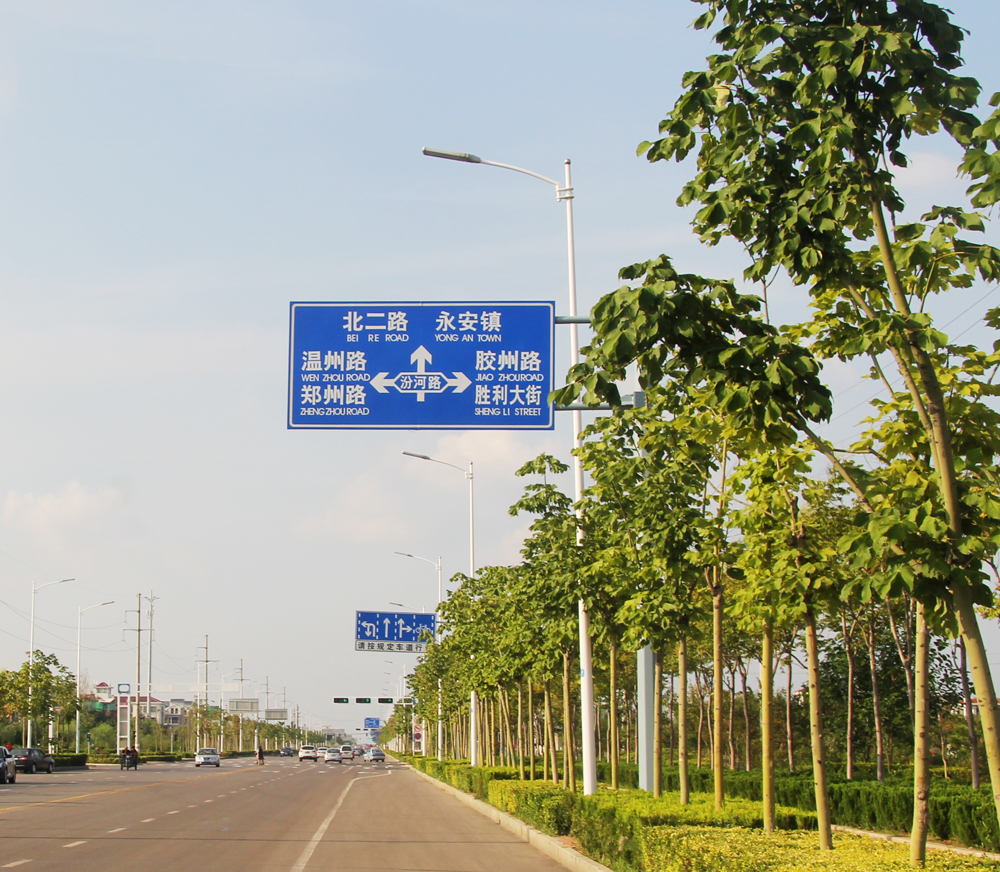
(207, 757)
(308, 752)
(347, 752)
(333, 755)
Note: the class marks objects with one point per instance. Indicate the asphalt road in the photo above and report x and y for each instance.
(285, 815)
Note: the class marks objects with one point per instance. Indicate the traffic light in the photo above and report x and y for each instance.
(364, 700)
(341, 699)
(88, 737)
(385, 699)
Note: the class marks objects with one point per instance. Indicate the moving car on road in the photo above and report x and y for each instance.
(375, 755)
(286, 752)
(8, 767)
(333, 755)
(32, 759)
(207, 757)
(347, 752)
(308, 752)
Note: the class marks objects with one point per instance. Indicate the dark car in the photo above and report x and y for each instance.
(32, 759)
(8, 767)
(286, 752)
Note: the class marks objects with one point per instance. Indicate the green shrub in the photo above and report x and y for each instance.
(70, 760)
(707, 849)
(539, 804)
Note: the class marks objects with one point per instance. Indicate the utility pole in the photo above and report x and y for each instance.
(138, 669)
(240, 714)
(149, 659)
(206, 676)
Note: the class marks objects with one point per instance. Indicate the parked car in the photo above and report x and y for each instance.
(333, 755)
(286, 752)
(308, 752)
(207, 757)
(32, 759)
(8, 767)
(375, 755)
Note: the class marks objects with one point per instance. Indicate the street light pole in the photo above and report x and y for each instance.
(473, 696)
(79, 699)
(564, 193)
(31, 647)
(440, 733)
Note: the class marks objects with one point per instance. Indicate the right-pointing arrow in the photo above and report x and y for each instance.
(460, 382)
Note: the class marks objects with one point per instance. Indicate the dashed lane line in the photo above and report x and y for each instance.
(175, 811)
(74, 844)
(118, 830)
(147, 820)
(15, 863)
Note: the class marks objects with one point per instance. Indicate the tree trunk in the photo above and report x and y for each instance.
(701, 717)
(766, 728)
(657, 724)
(531, 730)
(550, 737)
(520, 731)
(849, 747)
(720, 798)
(569, 762)
(876, 700)
(982, 682)
(732, 718)
(816, 736)
(671, 720)
(789, 735)
(613, 740)
(970, 720)
(746, 719)
(904, 646)
(921, 750)
(682, 728)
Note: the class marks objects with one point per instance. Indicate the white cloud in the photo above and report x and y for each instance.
(363, 511)
(58, 516)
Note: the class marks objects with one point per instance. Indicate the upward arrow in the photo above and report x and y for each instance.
(421, 357)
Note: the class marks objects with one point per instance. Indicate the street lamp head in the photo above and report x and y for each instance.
(465, 157)
(421, 456)
(403, 554)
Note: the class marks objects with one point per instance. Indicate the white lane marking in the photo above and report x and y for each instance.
(173, 812)
(15, 863)
(118, 830)
(208, 800)
(147, 820)
(74, 844)
(192, 806)
(300, 865)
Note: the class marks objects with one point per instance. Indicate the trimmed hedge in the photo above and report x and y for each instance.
(611, 826)
(706, 849)
(69, 760)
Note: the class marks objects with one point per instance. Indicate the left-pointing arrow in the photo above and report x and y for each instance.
(382, 384)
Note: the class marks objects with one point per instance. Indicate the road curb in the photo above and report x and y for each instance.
(552, 848)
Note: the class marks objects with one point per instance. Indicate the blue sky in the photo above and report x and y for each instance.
(173, 174)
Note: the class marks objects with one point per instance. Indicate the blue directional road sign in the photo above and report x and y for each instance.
(372, 723)
(393, 631)
(421, 366)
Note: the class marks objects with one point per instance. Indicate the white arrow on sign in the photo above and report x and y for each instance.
(420, 382)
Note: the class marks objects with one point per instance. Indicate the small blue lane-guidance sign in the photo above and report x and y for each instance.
(421, 366)
(372, 723)
(393, 631)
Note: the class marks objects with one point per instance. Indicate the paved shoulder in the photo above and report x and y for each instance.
(395, 821)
